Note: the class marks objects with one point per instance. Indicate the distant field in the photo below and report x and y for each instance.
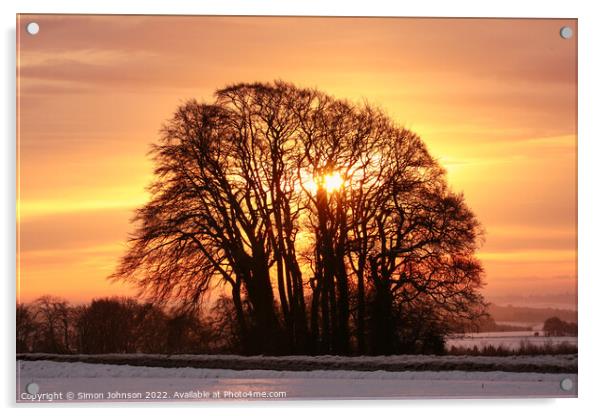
(518, 314)
(506, 339)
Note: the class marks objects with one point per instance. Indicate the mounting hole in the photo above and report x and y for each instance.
(32, 28)
(566, 32)
(32, 388)
(566, 384)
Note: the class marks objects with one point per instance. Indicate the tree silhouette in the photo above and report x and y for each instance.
(26, 327)
(326, 222)
(555, 326)
(107, 326)
(122, 325)
(54, 321)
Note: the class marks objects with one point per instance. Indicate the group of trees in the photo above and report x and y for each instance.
(112, 325)
(329, 229)
(556, 327)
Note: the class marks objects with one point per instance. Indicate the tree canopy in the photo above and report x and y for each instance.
(330, 228)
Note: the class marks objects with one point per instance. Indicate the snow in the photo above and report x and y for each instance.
(99, 381)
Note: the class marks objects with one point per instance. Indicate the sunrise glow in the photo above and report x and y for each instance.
(330, 182)
(496, 112)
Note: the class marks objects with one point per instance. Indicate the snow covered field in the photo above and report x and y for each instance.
(507, 339)
(76, 381)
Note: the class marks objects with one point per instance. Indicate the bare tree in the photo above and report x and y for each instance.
(276, 193)
(187, 334)
(108, 326)
(55, 329)
(26, 327)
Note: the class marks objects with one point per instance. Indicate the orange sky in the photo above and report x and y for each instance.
(495, 101)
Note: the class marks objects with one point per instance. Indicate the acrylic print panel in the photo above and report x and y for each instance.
(280, 208)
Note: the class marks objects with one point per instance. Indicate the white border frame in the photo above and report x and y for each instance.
(590, 169)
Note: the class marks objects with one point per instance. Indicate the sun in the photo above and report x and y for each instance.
(332, 182)
(329, 182)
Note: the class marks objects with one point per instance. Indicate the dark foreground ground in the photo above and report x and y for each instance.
(566, 363)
